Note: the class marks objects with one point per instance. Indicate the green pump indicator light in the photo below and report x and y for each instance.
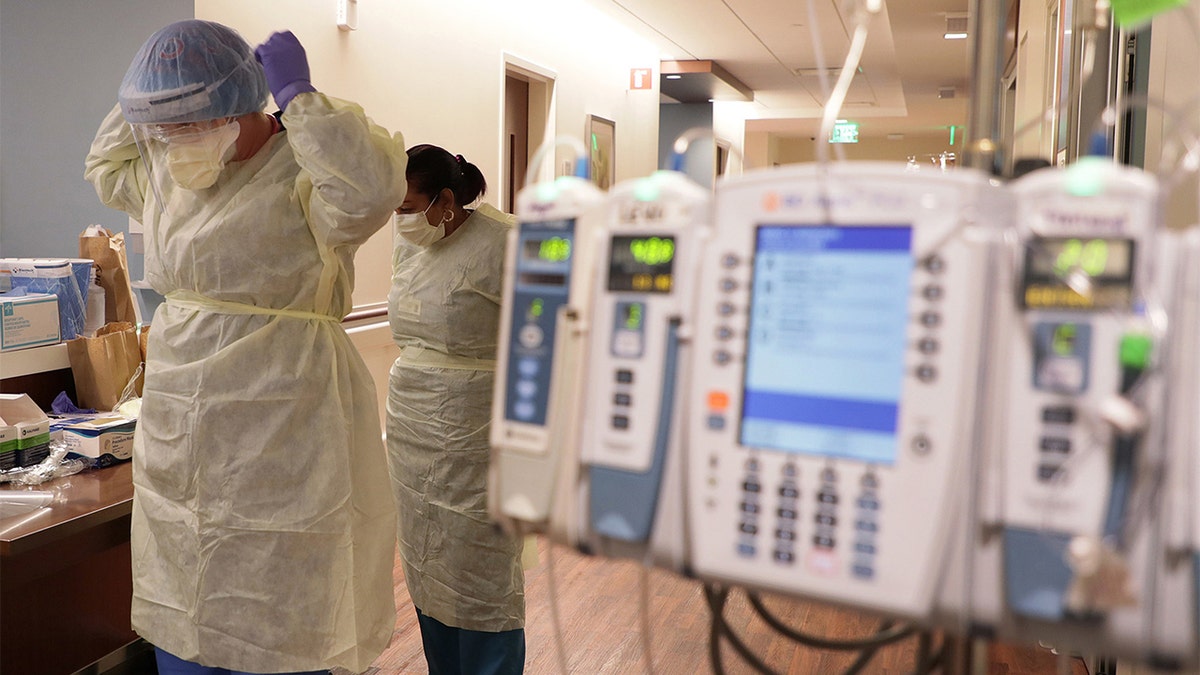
(952, 128)
(547, 192)
(1085, 178)
(646, 190)
(537, 307)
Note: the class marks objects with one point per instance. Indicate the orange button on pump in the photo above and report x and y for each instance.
(718, 401)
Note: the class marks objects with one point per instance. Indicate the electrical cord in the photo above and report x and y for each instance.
(887, 634)
(716, 597)
(884, 637)
(928, 661)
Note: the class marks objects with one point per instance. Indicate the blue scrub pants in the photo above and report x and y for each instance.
(457, 651)
(169, 664)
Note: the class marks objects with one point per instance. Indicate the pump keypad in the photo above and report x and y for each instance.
(750, 510)
(1054, 446)
(622, 399)
(787, 513)
(929, 318)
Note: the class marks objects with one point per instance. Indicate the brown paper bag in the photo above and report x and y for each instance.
(104, 364)
(108, 252)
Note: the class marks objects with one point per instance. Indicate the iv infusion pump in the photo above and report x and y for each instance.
(534, 409)
(836, 358)
(640, 310)
(1067, 470)
(1075, 430)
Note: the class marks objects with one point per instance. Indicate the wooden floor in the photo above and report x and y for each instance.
(598, 601)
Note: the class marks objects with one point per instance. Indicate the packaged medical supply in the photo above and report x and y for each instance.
(28, 320)
(31, 427)
(105, 439)
(56, 276)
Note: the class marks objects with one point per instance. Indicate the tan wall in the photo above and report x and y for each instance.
(434, 71)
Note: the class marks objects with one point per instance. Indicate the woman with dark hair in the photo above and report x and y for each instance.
(463, 574)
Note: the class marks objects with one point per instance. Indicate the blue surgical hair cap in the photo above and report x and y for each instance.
(191, 71)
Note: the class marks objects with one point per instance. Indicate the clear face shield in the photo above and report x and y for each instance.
(188, 156)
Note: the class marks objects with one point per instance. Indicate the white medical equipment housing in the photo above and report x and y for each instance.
(1179, 602)
(835, 366)
(1075, 439)
(635, 387)
(535, 409)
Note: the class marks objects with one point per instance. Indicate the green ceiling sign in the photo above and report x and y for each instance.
(844, 132)
(1135, 12)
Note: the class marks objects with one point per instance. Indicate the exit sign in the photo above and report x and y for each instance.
(844, 132)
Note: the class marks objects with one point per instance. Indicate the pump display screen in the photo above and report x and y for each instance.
(1077, 273)
(546, 249)
(644, 264)
(542, 285)
(827, 340)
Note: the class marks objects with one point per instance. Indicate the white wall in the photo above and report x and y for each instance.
(1174, 86)
(435, 72)
(1035, 77)
(729, 126)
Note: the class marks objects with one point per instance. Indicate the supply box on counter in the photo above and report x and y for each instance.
(29, 320)
(108, 438)
(23, 421)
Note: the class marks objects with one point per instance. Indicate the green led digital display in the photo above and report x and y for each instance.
(554, 249)
(653, 250)
(633, 316)
(1081, 273)
(641, 264)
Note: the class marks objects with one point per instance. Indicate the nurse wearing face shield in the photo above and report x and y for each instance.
(463, 574)
(263, 529)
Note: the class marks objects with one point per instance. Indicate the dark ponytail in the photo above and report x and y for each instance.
(432, 169)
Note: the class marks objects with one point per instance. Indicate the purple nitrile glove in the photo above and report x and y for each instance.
(285, 65)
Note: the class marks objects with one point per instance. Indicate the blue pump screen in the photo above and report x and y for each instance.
(827, 340)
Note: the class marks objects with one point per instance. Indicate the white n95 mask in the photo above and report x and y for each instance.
(415, 227)
(196, 163)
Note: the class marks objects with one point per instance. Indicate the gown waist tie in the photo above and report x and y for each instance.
(203, 303)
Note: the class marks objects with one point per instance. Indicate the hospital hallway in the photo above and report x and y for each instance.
(598, 604)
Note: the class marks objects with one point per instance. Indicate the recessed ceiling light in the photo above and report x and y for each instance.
(674, 77)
